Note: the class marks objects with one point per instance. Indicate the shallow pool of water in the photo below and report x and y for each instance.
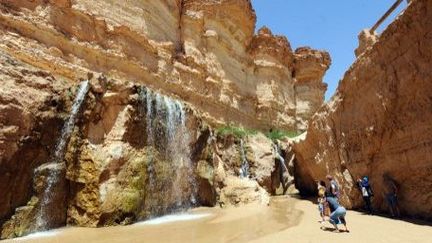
(238, 224)
(173, 218)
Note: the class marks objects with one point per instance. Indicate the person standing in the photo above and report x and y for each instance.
(367, 193)
(390, 194)
(321, 200)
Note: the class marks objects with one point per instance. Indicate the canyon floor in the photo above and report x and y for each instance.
(288, 219)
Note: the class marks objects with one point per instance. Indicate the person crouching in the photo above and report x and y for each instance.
(337, 214)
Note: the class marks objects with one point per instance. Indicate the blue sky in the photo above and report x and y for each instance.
(328, 25)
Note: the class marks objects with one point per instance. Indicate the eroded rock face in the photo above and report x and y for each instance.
(366, 41)
(31, 109)
(41, 214)
(203, 52)
(129, 159)
(222, 168)
(309, 68)
(133, 159)
(136, 154)
(379, 120)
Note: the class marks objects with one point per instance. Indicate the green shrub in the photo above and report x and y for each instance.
(279, 134)
(238, 132)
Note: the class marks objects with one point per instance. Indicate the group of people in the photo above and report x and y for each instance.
(328, 204)
(331, 210)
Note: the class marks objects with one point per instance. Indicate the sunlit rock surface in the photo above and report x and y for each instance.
(203, 55)
(379, 120)
(206, 53)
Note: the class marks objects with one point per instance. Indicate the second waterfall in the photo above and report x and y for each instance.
(169, 138)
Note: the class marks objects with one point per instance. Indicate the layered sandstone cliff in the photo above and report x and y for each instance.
(204, 52)
(379, 120)
(133, 154)
(150, 64)
(31, 112)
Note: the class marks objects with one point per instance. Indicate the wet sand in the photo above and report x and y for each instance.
(286, 220)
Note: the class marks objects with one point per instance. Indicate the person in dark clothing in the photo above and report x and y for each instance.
(390, 194)
(367, 193)
(337, 213)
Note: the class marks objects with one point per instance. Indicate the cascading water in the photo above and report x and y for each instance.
(284, 174)
(52, 178)
(244, 169)
(280, 158)
(70, 124)
(166, 129)
(146, 98)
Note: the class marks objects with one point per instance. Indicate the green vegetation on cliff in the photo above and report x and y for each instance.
(240, 132)
(279, 134)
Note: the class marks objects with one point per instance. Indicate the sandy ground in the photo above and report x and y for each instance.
(363, 229)
(286, 220)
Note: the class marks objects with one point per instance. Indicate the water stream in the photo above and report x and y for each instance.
(167, 133)
(55, 168)
(244, 169)
(280, 158)
(68, 127)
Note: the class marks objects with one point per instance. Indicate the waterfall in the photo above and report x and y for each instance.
(147, 98)
(54, 167)
(244, 169)
(280, 158)
(69, 125)
(166, 129)
(285, 177)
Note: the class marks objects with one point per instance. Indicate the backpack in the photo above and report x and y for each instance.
(333, 184)
(365, 192)
(365, 184)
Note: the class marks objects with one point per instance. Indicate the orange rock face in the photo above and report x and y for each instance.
(379, 120)
(30, 116)
(205, 53)
(202, 52)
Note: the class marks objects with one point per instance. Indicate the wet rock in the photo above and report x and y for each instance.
(207, 190)
(29, 122)
(45, 210)
(261, 159)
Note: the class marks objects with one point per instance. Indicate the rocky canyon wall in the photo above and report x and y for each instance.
(379, 120)
(31, 115)
(162, 75)
(134, 154)
(203, 52)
